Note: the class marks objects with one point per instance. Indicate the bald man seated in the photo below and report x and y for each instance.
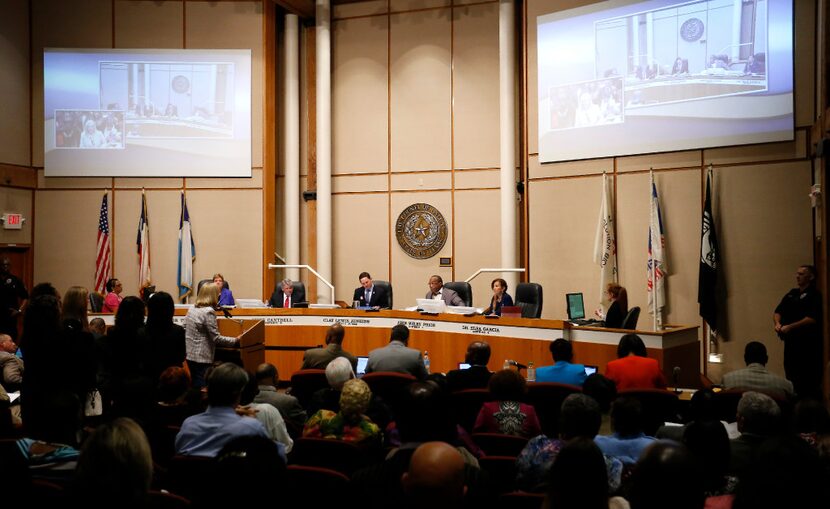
(435, 477)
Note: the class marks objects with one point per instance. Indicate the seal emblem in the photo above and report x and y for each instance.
(421, 230)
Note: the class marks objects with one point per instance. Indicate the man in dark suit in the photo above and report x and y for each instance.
(396, 356)
(284, 296)
(437, 291)
(319, 358)
(477, 376)
(368, 294)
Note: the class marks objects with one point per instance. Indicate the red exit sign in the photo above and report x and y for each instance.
(13, 221)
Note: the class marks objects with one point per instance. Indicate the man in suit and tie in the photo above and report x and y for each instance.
(438, 292)
(369, 295)
(477, 376)
(284, 296)
(396, 356)
(319, 358)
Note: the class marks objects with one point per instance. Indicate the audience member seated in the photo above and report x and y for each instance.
(205, 434)
(266, 414)
(11, 366)
(423, 416)
(176, 400)
(628, 441)
(507, 414)
(338, 372)
(708, 443)
(435, 477)
(701, 409)
(350, 423)
(477, 376)
(115, 468)
(579, 418)
(562, 371)
(758, 418)
(396, 356)
(268, 379)
(249, 471)
(604, 392)
(811, 421)
(98, 328)
(319, 358)
(579, 480)
(755, 376)
(667, 476)
(786, 472)
(165, 339)
(633, 369)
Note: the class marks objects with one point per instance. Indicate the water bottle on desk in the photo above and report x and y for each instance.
(426, 360)
(531, 372)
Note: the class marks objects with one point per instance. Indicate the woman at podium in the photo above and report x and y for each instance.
(202, 334)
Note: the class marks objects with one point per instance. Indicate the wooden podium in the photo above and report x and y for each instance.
(251, 350)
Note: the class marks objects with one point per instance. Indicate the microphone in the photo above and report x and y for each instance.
(226, 312)
(675, 377)
(518, 365)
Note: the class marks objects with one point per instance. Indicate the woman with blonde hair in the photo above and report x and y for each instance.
(74, 306)
(79, 341)
(202, 334)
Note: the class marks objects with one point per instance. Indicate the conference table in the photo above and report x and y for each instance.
(289, 332)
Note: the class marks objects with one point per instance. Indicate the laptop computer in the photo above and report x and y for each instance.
(463, 365)
(361, 365)
(590, 370)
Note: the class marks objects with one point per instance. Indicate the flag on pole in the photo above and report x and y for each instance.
(708, 275)
(605, 244)
(143, 246)
(187, 253)
(656, 283)
(102, 259)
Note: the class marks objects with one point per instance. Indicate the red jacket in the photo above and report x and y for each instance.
(635, 372)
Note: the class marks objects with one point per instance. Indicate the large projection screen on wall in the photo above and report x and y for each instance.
(147, 113)
(632, 77)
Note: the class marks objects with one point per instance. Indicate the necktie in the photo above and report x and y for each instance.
(287, 303)
(368, 297)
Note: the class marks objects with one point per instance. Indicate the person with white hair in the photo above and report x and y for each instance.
(91, 137)
(758, 418)
(338, 372)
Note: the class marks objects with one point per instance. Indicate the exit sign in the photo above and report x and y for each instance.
(12, 221)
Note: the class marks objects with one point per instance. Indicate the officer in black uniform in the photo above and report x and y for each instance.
(13, 297)
(798, 323)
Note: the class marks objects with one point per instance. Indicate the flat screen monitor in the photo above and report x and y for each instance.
(576, 306)
(632, 77)
(147, 112)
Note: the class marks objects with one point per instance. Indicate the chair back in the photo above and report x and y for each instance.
(466, 405)
(547, 398)
(498, 444)
(529, 299)
(305, 382)
(338, 455)
(386, 285)
(328, 488)
(299, 291)
(186, 476)
(501, 471)
(205, 281)
(96, 302)
(659, 406)
(630, 320)
(388, 385)
(463, 289)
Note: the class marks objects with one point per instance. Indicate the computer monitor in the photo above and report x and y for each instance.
(576, 306)
(361, 365)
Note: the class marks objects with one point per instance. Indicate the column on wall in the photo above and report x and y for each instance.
(323, 69)
(507, 136)
(291, 134)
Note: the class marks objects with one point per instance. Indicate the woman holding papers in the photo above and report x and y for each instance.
(500, 297)
(202, 334)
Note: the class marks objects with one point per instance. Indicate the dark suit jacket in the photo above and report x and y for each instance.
(450, 297)
(277, 298)
(476, 377)
(319, 358)
(615, 316)
(379, 297)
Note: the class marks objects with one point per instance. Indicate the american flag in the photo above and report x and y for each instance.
(102, 261)
(143, 246)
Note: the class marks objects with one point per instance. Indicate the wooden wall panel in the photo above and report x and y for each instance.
(14, 87)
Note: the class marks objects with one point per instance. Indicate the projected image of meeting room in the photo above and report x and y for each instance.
(631, 77)
(169, 112)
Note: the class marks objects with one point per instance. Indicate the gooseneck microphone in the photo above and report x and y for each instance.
(675, 377)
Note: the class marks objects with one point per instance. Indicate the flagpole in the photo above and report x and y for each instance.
(651, 237)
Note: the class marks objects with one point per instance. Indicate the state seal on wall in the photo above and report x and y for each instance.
(421, 230)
